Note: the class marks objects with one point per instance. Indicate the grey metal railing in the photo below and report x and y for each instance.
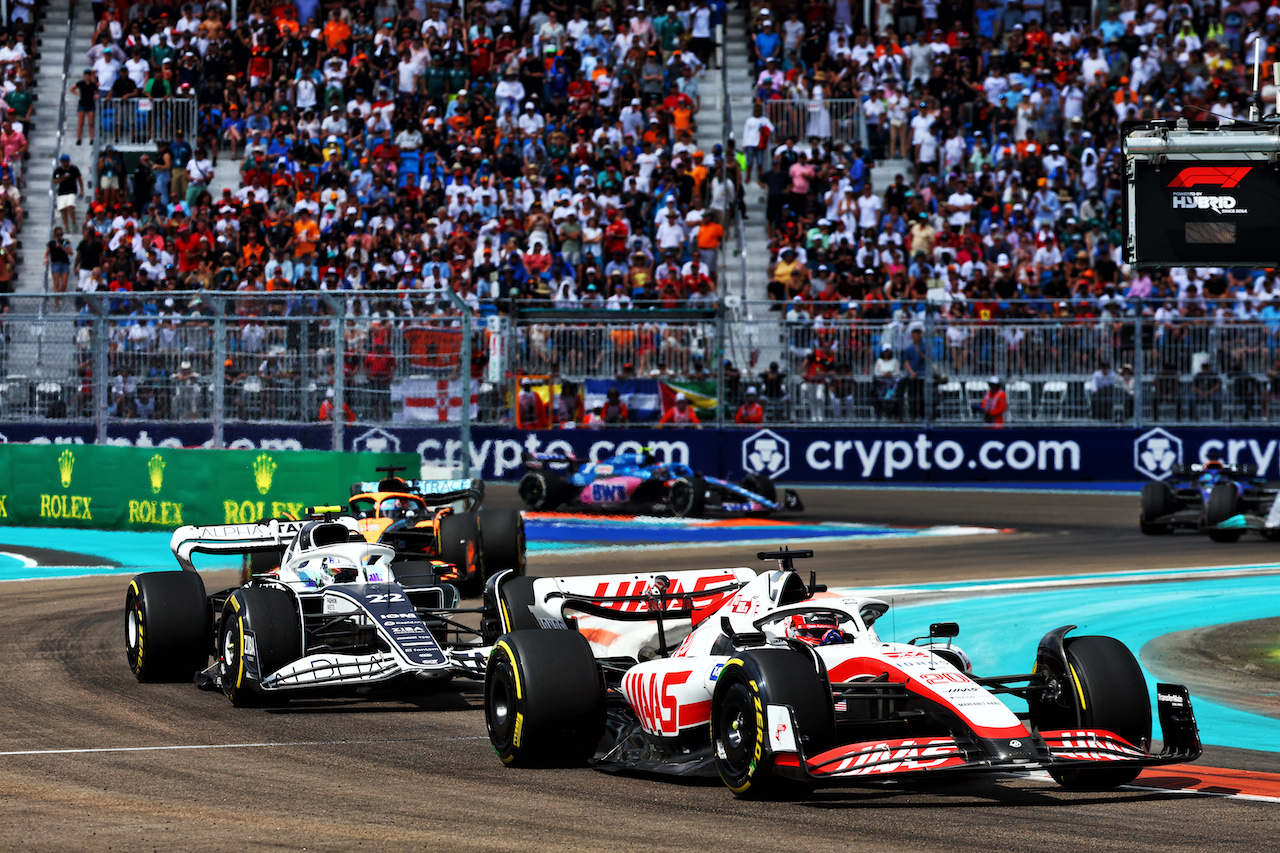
(274, 357)
(139, 123)
(839, 121)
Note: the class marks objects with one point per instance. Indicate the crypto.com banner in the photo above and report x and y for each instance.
(791, 455)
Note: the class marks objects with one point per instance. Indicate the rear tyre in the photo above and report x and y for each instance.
(542, 490)
(502, 543)
(1111, 690)
(166, 626)
(1224, 502)
(749, 683)
(460, 545)
(761, 485)
(544, 699)
(687, 497)
(268, 618)
(1157, 502)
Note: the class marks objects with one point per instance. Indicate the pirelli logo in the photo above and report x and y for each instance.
(1225, 177)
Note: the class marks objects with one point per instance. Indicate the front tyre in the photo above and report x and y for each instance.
(541, 490)
(1111, 691)
(544, 699)
(261, 632)
(166, 626)
(687, 497)
(1224, 503)
(746, 686)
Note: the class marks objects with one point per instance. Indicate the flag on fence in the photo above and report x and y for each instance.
(426, 398)
(640, 395)
(701, 393)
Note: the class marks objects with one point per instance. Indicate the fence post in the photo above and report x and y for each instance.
(721, 397)
(1139, 356)
(930, 329)
(218, 413)
(464, 375)
(100, 367)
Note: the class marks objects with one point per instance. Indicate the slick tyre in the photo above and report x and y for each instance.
(261, 632)
(1224, 502)
(1157, 502)
(167, 626)
(544, 699)
(502, 543)
(460, 545)
(761, 485)
(542, 490)
(687, 497)
(1111, 691)
(746, 686)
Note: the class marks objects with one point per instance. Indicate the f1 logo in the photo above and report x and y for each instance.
(1225, 177)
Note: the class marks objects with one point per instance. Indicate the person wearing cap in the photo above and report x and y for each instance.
(993, 404)
(680, 414)
(86, 91)
(531, 411)
(751, 411)
(1101, 387)
(69, 184)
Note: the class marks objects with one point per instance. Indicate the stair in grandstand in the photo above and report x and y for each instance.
(42, 137)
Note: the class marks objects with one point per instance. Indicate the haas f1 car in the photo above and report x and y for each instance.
(441, 520)
(638, 482)
(779, 687)
(336, 614)
(1222, 500)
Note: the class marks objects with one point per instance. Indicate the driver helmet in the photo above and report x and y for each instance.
(1213, 461)
(816, 629)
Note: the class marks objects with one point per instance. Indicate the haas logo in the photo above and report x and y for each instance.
(766, 452)
(1155, 452)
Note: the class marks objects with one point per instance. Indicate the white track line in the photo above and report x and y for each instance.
(227, 745)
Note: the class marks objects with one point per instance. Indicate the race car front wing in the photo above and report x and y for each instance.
(924, 757)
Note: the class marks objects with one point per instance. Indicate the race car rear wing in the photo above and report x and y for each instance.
(434, 492)
(555, 461)
(272, 535)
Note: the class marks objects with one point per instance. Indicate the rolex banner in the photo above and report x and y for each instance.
(126, 488)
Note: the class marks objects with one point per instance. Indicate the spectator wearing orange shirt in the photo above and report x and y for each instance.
(681, 414)
(750, 412)
(327, 409)
(306, 234)
(710, 235)
(336, 32)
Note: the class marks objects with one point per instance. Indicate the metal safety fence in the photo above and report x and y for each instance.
(139, 123)
(839, 120)
(321, 358)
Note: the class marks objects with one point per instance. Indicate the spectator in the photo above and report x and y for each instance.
(993, 404)
(328, 411)
(751, 411)
(681, 414)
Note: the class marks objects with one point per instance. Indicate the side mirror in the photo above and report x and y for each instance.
(946, 630)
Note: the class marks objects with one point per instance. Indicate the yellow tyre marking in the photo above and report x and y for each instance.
(1079, 689)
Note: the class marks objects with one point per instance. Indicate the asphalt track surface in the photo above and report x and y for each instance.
(91, 760)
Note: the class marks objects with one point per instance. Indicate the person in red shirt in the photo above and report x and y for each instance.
(531, 412)
(750, 412)
(380, 365)
(327, 409)
(994, 404)
(680, 414)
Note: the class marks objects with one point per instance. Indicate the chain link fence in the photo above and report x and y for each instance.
(317, 357)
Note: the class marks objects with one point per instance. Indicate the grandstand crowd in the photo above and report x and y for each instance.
(16, 108)
(544, 151)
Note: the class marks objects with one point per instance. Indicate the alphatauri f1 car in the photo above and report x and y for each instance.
(334, 615)
(1222, 500)
(780, 687)
(638, 482)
